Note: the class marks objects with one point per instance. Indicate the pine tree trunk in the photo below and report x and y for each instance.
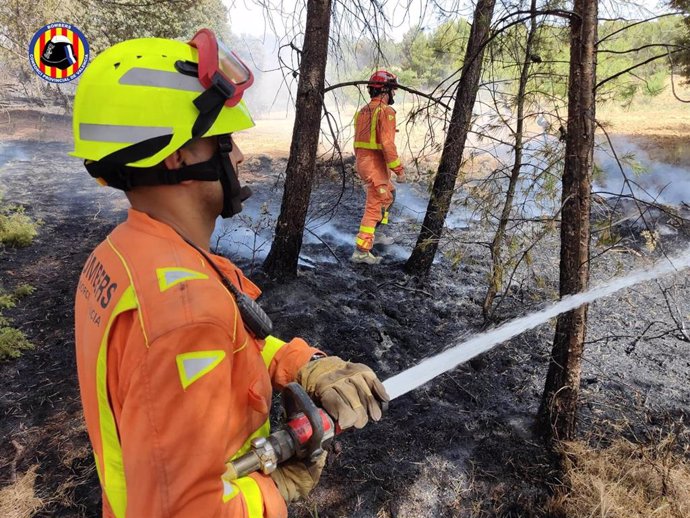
(451, 158)
(496, 276)
(281, 262)
(559, 403)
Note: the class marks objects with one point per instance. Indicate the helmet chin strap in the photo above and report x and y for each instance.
(233, 193)
(218, 167)
(391, 100)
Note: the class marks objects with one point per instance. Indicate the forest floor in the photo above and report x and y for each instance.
(464, 444)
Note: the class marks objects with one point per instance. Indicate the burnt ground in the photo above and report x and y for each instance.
(463, 445)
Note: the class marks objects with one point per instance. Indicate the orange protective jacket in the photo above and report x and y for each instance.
(172, 384)
(375, 149)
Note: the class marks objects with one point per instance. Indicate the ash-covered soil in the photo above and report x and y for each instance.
(462, 445)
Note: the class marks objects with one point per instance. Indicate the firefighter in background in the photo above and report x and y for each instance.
(376, 155)
(176, 362)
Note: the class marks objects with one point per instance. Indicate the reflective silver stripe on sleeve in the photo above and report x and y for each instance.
(124, 134)
(161, 78)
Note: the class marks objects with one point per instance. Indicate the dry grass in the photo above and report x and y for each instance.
(625, 480)
(661, 114)
(68, 468)
(659, 125)
(19, 500)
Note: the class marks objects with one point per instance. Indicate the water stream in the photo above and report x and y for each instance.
(428, 369)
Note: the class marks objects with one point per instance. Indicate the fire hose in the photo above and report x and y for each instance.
(307, 432)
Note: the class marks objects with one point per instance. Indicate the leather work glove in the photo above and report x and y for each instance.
(350, 392)
(295, 479)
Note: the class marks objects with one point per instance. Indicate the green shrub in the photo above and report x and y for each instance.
(6, 301)
(12, 340)
(23, 290)
(12, 343)
(16, 228)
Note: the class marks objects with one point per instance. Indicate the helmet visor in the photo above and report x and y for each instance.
(231, 66)
(220, 68)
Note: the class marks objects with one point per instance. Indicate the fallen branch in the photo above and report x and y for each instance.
(326, 244)
(407, 288)
(401, 87)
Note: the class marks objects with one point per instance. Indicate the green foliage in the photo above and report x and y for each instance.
(12, 340)
(12, 343)
(427, 57)
(16, 228)
(23, 290)
(104, 23)
(430, 56)
(7, 301)
(620, 51)
(682, 59)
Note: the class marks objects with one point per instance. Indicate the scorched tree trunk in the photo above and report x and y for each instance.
(281, 262)
(559, 402)
(451, 158)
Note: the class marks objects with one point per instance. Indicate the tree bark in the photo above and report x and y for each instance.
(451, 158)
(559, 403)
(281, 262)
(496, 276)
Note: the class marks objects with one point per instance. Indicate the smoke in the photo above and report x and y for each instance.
(10, 153)
(272, 93)
(248, 235)
(648, 180)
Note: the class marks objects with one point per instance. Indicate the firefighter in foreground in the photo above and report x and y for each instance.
(176, 362)
(376, 155)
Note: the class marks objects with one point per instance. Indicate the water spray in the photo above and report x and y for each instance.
(309, 430)
(428, 369)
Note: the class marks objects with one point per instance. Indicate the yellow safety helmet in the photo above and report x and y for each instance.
(135, 105)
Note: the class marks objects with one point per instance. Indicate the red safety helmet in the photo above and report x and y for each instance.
(383, 79)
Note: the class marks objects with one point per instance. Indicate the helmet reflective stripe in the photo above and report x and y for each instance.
(59, 38)
(161, 78)
(125, 134)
